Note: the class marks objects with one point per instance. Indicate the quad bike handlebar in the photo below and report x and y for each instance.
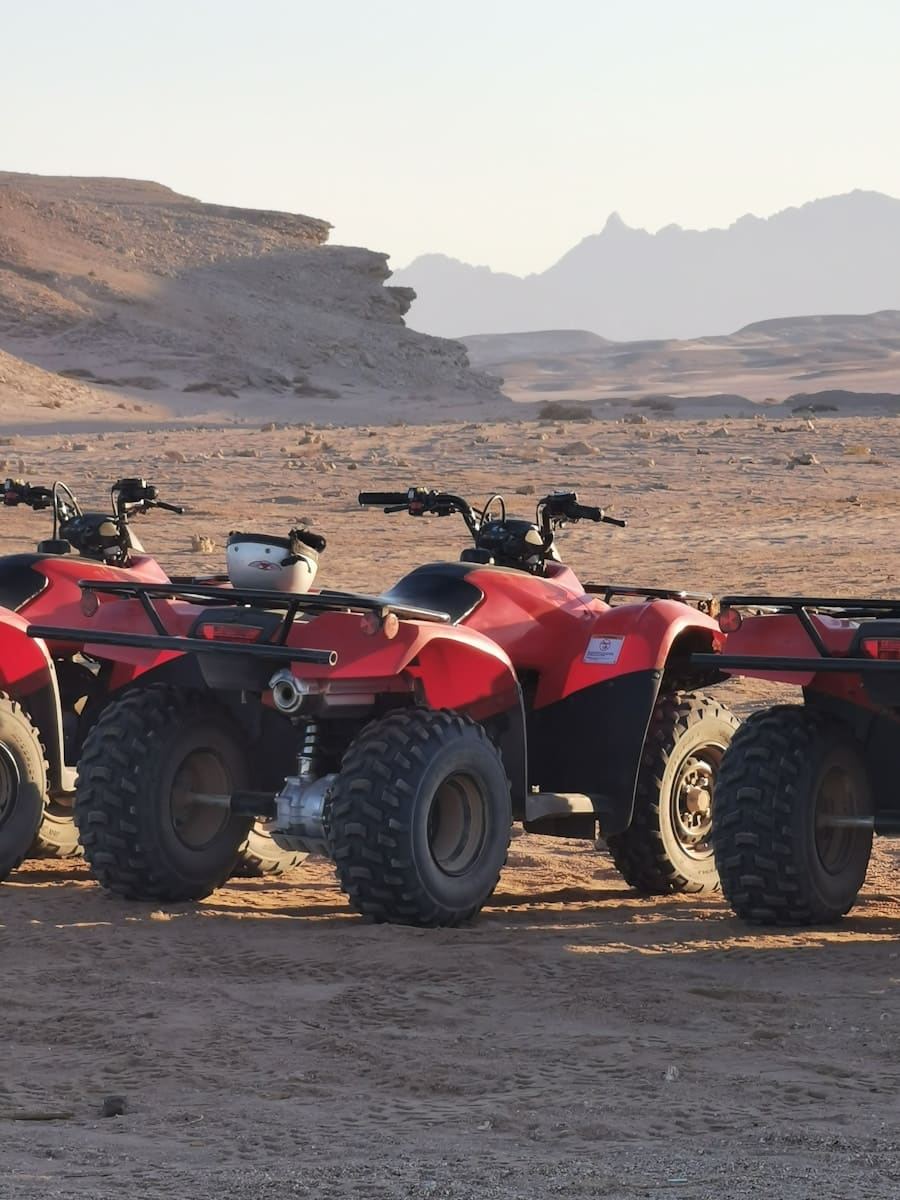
(101, 535)
(497, 539)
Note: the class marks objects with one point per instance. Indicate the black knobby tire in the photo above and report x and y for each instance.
(668, 845)
(259, 855)
(57, 835)
(23, 784)
(419, 819)
(144, 836)
(788, 771)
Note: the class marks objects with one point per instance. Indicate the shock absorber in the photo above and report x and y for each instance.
(307, 759)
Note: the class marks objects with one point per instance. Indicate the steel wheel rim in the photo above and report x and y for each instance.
(195, 822)
(835, 797)
(457, 824)
(10, 780)
(691, 803)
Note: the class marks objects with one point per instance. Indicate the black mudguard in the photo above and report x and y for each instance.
(878, 735)
(507, 730)
(592, 742)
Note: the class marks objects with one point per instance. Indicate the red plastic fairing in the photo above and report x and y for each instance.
(622, 640)
(454, 664)
(61, 602)
(783, 635)
(25, 665)
(28, 675)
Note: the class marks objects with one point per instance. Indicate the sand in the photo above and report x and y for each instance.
(577, 1040)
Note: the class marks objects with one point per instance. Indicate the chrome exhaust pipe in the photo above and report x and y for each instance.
(288, 692)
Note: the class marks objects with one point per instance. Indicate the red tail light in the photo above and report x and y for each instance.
(730, 620)
(884, 648)
(229, 633)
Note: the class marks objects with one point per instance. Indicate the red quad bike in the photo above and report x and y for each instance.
(803, 787)
(426, 720)
(51, 693)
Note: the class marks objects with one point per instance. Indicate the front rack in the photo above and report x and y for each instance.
(274, 645)
(704, 601)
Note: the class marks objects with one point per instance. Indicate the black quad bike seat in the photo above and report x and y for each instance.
(440, 587)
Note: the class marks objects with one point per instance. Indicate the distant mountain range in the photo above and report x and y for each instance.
(836, 255)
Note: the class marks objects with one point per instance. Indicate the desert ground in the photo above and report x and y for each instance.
(577, 1040)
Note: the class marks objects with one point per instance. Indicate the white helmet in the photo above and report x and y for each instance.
(273, 564)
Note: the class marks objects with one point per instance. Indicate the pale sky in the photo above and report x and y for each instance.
(497, 131)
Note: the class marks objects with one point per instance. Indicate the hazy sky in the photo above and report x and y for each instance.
(498, 131)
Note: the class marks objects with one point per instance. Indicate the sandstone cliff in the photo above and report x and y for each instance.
(190, 307)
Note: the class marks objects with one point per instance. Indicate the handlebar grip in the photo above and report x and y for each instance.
(384, 498)
(586, 512)
(174, 508)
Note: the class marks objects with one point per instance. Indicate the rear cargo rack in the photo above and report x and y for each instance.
(842, 607)
(272, 646)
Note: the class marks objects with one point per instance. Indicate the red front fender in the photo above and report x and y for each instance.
(627, 639)
(27, 675)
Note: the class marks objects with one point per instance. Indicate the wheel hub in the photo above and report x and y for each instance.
(457, 824)
(838, 817)
(195, 821)
(692, 801)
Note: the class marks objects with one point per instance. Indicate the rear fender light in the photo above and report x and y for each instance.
(211, 631)
(90, 602)
(886, 649)
(730, 620)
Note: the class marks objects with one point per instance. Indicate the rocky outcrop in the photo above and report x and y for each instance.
(128, 284)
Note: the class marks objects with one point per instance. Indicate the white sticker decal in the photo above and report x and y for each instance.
(603, 650)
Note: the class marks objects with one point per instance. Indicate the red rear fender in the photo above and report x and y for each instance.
(456, 667)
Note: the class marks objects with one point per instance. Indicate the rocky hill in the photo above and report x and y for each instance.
(837, 255)
(157, 301)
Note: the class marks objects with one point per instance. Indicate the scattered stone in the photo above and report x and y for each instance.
(175, 456)
(526, 489)
(636, 419)
(113, 1106)
(858, 449)
(805, 459)
(269, 428)
(722, 431)
(245, 454)
(577, 448)
(201, 544)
